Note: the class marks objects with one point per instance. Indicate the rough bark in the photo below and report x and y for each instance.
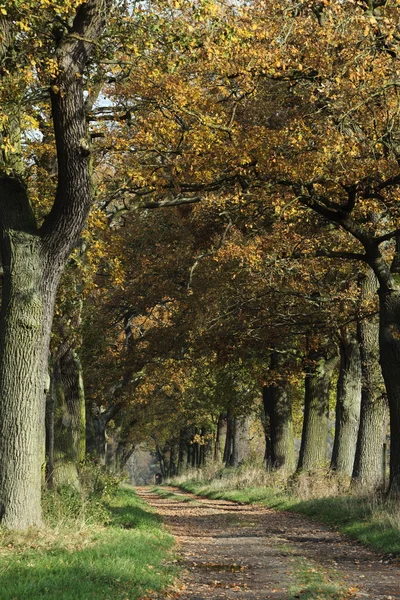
(314, 440)
(348, 402)
(65, 467)
(70, 420)
(50, 422)
(374, 413)
(228, 439)
(278, 411)
(389, 336)
(96, 426)
(25, 321)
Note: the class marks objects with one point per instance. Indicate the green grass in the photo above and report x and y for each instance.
(373, 522)
(121, 561)
(315, 583)
(168, 495)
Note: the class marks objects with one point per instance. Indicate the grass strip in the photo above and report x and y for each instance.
(123, 560)
(375, 524)
(168, 495)
(315, 583)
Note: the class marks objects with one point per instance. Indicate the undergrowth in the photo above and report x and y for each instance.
(67, 506)
(324, 497)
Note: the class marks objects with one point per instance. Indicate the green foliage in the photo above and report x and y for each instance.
(97, 482)
(315, 583)
(68, 505)
(125, 559)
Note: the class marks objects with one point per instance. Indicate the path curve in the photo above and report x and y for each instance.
(235, 551)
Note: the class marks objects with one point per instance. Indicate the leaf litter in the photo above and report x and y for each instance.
(238, 551)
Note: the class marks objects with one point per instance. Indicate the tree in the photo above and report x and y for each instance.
(34, 253)
(348, 402)
(374, 410)
(278, 408)
(318, 381)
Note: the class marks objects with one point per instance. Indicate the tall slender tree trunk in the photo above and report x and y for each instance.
(228, 439)
(234, 457)
(267, 435)
(181, 449)
(314, 440)
(374, 411)
(219, 438)
(70, 420)
(50, 422)
(172, 459)
(348, 402)
(389, 336)
(189, 452)
(278, 410)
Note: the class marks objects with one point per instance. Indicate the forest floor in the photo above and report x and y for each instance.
(236, 551)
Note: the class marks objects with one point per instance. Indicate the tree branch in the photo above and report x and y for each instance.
(387, 236)
(63, 225)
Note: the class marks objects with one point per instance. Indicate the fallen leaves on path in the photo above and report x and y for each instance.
(231, 550)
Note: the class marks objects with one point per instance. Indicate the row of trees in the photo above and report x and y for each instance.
(273, 128)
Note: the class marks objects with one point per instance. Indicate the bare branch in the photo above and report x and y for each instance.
(387, 236)
(165, 203)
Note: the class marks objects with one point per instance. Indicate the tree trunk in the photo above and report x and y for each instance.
(96, 426)
(195, 455)
(161, 461)
(70, 420)
(111, 449)
(25, 322)
(202, 455)
(389, 338)
(278, 410)
(172, 459)
(234, 457)
(228, 439)
(189, 452)
(181, 451)
(348, 403)
(267, 435)
(50, 419)
(314, 440)
(123, 454)
(220, 435)
(374, 414)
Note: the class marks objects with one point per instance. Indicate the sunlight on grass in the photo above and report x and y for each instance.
(369, 518)
(314, 583)
(167, 494)
(123, 560)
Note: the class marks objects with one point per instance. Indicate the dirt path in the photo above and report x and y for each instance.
(235, 551)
